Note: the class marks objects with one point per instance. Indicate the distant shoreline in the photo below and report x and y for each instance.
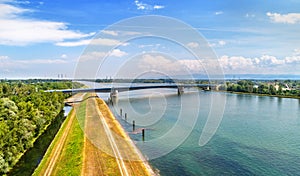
(262, 95)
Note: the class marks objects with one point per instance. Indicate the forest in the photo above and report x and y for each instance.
(25, 113)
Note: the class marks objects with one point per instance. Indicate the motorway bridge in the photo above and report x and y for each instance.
(114, 90)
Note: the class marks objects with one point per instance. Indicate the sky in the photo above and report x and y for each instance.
(47, 38)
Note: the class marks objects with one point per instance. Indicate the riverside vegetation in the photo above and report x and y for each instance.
(25, 113)
(282, 88)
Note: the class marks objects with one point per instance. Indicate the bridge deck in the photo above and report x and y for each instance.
(130, 88)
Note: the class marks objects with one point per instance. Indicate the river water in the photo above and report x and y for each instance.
(257, 135)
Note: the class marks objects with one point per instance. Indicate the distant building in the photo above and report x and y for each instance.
(286, 87)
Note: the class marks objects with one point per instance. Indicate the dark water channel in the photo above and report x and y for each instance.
(31, 159)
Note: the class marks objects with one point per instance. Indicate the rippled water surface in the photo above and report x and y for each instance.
(257, 135)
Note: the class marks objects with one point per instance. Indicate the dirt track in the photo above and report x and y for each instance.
(56, 152)
(108, 150)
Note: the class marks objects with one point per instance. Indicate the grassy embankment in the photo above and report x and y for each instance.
(70, 160)
(78, 155)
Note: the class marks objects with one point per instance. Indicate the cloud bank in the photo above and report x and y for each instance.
(16, 29)
(290, 18)
(143, 6)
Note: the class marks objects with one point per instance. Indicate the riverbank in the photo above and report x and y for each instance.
(265, 95)
(108, 150)
(121, 131)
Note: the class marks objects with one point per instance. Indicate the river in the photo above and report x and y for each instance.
(258, 135)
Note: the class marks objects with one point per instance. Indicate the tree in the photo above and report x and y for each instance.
(272, 90)
(4, 89)
(24, 114)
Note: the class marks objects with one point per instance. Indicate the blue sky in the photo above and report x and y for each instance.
(45, 38)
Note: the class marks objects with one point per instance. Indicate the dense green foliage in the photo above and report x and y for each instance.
(25, 113)
(32, 157)
(285, 88)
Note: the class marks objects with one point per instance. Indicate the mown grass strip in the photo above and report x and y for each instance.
(71, 156)
(45, 161)
(71, 159)
(70, 162)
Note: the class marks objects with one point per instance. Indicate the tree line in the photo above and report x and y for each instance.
(277, 88)
(25, 113)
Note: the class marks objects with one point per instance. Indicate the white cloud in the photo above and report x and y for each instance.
(15, 29)
(63, 56)
(158, 7)
(100, 41)
(42, 61)
(8, 63)
(292, 60)
(219, 13)
(267, 60)
(92, 56)
(230, 64)
(212, 44)
(140, 5)
(74, 43)
(149, 46)
(9, 11)
(265, 63)
(25, 68)
(118, 53)
(219, 43)
(159, 63)
(222, 42)
(290, 18)
(113, 33)
(3, 58)
(130, 33)
(235, 62)
(106, 42)
(192, 65)
(296, 52)
(193, 44)
(143, 6)
(171, 66)
(96, 55)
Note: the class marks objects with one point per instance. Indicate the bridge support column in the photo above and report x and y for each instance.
(114, 97)
(114, 94)
(180, 90)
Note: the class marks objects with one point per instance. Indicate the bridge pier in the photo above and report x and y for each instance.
(180, 90)
(113, 94)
